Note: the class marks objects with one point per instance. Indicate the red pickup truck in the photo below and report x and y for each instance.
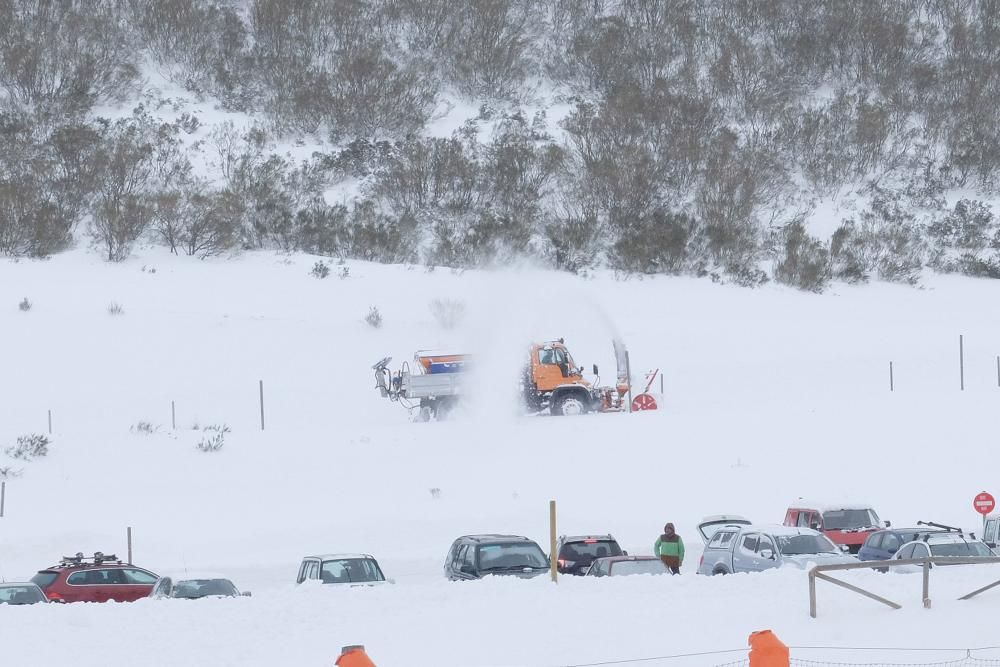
(845, 524)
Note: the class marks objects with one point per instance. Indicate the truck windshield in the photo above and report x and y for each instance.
(849, 519)
(797, 545)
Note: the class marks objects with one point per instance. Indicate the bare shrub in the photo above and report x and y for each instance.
(143, 428)
(320, 270)
(24, 306)
(8, 472)
(374, 318)
(29, 447)
(344, 272)
(448, 313)
(213, 438)
(115, 308)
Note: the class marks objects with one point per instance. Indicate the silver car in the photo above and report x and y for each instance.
(752, 548)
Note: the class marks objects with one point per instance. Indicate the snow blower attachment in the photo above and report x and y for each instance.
(550, 381)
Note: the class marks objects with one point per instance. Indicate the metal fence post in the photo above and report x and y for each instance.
(3, 497)
(128, 534)
(553, 556)
(891, 380)
(812, 594)
(261, 405)
(961, 363)
(927, 585)
(50, 422)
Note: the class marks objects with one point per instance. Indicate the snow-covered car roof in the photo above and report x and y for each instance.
(340, 556)
(194, 574)
(828, 507)
(947, 537)
(778, 529)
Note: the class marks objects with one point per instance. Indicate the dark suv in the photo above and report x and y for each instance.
(97, 579)
(577, 552)
(476, 556)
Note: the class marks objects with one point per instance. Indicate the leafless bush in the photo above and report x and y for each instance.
(448, 313)
(115, 308)
(143, 428)
(374, 318)
(320, 270)
(213, 438)
(9, 472)
(24, 306)
(29, 447)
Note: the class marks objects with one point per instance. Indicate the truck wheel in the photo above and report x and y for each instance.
(720, 570)
(569, 404)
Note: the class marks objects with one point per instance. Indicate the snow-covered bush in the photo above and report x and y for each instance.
(448, 313)
(213, 438)
(803, 261)
(320, 270)
(143, 428)
(966, 240)
(24, 306)
(374, 318)
(887, 243)
(29, 447)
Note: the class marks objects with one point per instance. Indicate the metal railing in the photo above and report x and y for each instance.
(818, 571)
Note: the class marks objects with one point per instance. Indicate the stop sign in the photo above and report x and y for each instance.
(984, 503)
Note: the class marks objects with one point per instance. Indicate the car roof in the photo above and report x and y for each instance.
(16, 584)
(191, 576)
(801, 504)
(339, 556)
(581, 538)
(774, 529)
(488, 537)
(947, 537)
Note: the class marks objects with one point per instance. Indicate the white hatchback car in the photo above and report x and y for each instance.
(942, 545)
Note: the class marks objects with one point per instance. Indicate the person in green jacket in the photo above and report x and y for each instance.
(670, 548)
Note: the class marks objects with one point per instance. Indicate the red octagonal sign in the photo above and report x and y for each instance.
(984, 503)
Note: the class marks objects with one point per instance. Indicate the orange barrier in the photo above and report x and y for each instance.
(766, 650)
(354, 656)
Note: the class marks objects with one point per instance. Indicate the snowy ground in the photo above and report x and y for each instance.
(771, 395)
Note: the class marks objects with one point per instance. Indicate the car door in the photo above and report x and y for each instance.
(745, 553)
(767, 556)
(161, 589)
(91, 585)
(990, 533)
(889, 546)
(138, 583)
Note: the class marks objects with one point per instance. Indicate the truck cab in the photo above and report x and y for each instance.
(845, 524)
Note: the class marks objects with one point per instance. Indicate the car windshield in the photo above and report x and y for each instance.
(849, 519)
(961, 549)
(191, 589)
(798, 545)
(350, 570)
(511, 555)
(645, 566)
(588, 550)
(20, 595)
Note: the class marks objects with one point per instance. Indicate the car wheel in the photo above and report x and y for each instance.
(720, 570)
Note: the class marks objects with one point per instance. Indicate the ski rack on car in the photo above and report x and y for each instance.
(97, 559)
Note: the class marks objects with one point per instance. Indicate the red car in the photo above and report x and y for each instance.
(97, 579)
(848, 525)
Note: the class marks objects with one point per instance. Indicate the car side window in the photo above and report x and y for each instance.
(874, 541)
(138, 577)
(906, 552)
(991, 531)
(749, 544)
(890, 542)
(765, 543)
(921, 551)
(803, 520)
(313, 571)
(469, 555)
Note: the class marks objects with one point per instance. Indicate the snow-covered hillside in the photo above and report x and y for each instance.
(770, 395)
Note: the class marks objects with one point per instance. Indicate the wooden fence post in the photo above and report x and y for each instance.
(553, 556)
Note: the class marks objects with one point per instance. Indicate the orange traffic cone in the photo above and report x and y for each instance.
(766, 650)
(354, 656)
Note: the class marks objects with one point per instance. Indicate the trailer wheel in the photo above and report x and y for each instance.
(569, 404)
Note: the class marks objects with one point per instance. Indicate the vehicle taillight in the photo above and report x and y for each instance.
(562, 562)
(701, 561)
(54, 596)
(590, 541)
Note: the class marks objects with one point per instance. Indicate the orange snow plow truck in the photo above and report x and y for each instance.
(550, 381)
